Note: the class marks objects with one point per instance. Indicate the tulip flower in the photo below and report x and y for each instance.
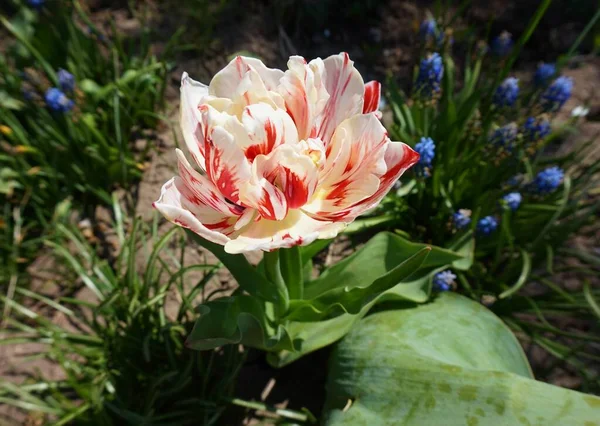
(283, 157)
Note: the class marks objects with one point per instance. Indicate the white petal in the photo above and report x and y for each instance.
(226, 164)
(226, 81)
(296, 229)
(355, 161)
(304, 92)
(346, 92)
(261, 194)
(398, 158)
(204, 190)
(178, 209)
(245, 81)
(192, 93)
(293, 172)
(266, 128)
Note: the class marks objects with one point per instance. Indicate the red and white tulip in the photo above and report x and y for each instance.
(285, 157)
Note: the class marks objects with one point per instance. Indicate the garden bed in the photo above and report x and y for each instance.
(381, 39)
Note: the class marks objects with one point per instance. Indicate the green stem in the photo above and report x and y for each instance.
(283, 412)
(581, 37)
(273, 272)
(291, 270)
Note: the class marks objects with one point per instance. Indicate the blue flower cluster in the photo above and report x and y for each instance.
(487, 225)
(429, 32)
(429, 76)
(543, 74)
(506, 94)
(502, 44)
(66, 80)
(557, 94)
(547, 180)
(443, 281)
(535, 129)
(426, 150)
(36, 4)
(428, 29)
(512, 200)
(504, 137)
(461, 219)
(57, 100)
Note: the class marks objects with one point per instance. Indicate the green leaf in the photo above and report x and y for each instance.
(311, 336)
(379, 256)
(245, 274)
(525, 270)
(451, 362)
(341, 300)
(234, 320)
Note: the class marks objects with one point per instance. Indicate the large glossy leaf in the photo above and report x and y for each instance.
(237, 319)
(450, 362)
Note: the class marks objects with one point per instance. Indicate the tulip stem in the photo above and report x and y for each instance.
(273, 271)
(291, 270)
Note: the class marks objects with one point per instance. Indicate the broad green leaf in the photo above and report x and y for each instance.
(340, 300)
(450, 362)
(465, 247)
(237, 319)
(245, 274)
(380, 255)
(311, 336)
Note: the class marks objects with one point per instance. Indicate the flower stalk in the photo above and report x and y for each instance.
(291, 269)
(272, 263)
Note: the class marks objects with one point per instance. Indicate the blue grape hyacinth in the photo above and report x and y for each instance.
(426, 150)
(428, 29)
(502, 44)
(512, 200)
(429, 76)
(505, 136)
(543, 74)
(66, 80)
(548, 180)
(557, 94)
(506, 94)
(36, 4)
(461, 219)
(535, 129)
(57, 100)
(487, 225)
(443, 281)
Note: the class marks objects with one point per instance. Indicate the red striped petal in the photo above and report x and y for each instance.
(346, 91)
(304, 92)
(202, 191)
(372, 96)
(226, 165)
(192, 93)
(398, 157)
(353, 166)
(267, 128)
